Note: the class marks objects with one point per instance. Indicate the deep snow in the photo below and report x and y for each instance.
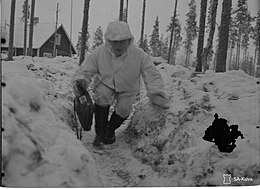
(154, 147)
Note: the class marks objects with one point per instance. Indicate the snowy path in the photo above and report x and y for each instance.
(116, 165)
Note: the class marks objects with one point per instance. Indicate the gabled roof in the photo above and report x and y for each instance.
(41, 33)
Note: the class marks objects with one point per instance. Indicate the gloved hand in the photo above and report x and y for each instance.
(79, 86)
(159, 100)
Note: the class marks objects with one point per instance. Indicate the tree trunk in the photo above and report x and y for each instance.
(25, 28)
(71, 19)
(187, 59)
(209, 46)
(172, 30)
(215, 61)
(142, 27)
(203, 12)
(121, 10)
(258, 60)
(11, 31)
(223, 36)
(255, 61)
(84, 31)
(30, 49)
(245, 54)
(238, 53)
(246, 61)
(126, 12)
(230, 57)
(174, 50)
(54, 54)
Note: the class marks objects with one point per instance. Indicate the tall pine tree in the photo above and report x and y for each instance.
(125, 12)
(163, 47)
(210, 6)
(78, 45)
(203, 12)
(121, 10)
(191, 30)
(256, 41)
(223, 36)
(155, 40)
(25, 11)
(84, 31)
(246, 36)
(142, 26)
(172, 31)
(248, 65)
(208, 50)
(258, 59)
(25, 17)
(177, 39)
(30, 49)
(11, 30)
(98, 38)
(145, 45)
(243, 20)
(233, 37)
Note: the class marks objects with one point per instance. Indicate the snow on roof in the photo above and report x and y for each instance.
(41, 33)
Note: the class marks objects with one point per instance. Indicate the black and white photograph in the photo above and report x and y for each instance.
(130, 93)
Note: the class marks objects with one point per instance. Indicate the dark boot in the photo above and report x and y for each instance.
(114, 123)
(101, 122)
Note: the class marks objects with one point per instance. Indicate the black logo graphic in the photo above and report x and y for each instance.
(222, 135)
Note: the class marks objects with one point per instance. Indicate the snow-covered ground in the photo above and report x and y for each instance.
(154, 147)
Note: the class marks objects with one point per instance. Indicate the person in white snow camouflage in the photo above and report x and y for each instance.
(118, 65)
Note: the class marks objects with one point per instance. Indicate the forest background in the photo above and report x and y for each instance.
(156, 34)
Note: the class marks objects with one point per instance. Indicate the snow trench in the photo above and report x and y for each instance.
(39, 149)
(155, 147)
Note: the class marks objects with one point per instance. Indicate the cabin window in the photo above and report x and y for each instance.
(58, 39)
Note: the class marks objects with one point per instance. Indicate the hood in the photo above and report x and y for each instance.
(118, 30)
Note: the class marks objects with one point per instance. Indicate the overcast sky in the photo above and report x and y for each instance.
(103, 11)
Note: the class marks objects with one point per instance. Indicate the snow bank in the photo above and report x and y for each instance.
(39, 149)
(158, 60)
(171, 140)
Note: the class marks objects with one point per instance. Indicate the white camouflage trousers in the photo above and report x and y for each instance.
(104, 96)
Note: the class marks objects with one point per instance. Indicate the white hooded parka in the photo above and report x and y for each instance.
(121, 74)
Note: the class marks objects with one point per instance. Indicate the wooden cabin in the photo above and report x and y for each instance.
(43, 40)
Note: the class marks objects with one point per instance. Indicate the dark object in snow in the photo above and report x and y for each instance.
(222, 135)
(84, 108)
(233, 98)
(3, 40)
(3, 84)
